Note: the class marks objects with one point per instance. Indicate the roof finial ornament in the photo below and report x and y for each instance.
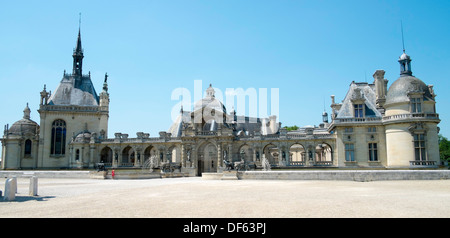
(403, 40)
(26, 112)
(79, 23)
(405, 60)
(105, 84)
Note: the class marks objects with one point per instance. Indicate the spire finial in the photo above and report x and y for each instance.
(26, 112)
(79, 23)
(78, 53)
(405, 60)
(403, 40)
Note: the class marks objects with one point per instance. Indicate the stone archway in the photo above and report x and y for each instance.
(245, 152)
(106, 156)
(175, 154)
(151, 156)
(207, 159)
(297, 155)
(324, 154)
(271, 153)
(128, 156)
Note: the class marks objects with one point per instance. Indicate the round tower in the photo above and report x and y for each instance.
(411, 121)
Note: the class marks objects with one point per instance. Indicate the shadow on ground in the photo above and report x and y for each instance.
(28, 198)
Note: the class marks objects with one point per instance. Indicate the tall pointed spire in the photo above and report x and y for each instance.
(404, 60)
(78, 48)
(403, 39)
(78, 54)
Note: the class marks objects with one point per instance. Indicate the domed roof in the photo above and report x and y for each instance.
(399, 90)
(24, 125)
(83, 137)
(404, 56)
(210, 102)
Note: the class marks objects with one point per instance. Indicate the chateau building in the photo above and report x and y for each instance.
(373, 127)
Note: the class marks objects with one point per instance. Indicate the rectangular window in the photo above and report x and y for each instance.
(359, 112)
(416, 105)
(349, 152)
(28, 144)
(373, 152)
(348, 130)
(419, 147)
(372, 129)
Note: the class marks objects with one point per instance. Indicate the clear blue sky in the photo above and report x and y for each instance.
(309, 50)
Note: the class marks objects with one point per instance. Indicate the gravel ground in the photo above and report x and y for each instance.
(197, 198)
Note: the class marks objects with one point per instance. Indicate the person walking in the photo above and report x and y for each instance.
(113, 173)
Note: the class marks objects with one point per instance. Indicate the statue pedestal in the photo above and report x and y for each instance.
(229, 175)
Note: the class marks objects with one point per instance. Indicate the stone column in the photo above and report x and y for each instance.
(257, 155)
(19, 152)
(183, 156)
(137, 157)
(91, 155)
(71, 156)
(219, 157)
(115, 157)
(194, 158)
(230, 153)
(310, 155)
(80, 162)
(164, 156)
(287, 159)
(120, 160)
(280, 156)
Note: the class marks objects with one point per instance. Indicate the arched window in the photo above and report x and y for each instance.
(28, 147)
(58, 144)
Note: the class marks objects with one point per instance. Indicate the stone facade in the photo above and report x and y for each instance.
(373, 127)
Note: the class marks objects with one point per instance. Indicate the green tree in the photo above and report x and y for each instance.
(291, 128)
(444, 148)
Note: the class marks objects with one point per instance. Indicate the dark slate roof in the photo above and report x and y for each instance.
(362, 91)
(75, 90)
(399, 90)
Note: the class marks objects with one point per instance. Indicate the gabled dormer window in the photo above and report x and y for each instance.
(416, 105)
(358, 110)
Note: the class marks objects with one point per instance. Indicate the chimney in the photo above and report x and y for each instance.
(380, 87)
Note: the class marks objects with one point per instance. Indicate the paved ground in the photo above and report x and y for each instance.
(194, 197)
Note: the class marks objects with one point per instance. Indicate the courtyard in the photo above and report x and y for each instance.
(195, 197)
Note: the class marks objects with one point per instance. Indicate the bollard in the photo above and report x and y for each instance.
(33, 186)
(14, 180)
(10, 189)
